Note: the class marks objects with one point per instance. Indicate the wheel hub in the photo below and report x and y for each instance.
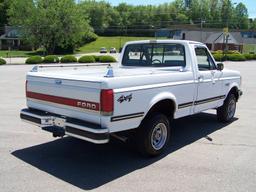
(159, 136)
(231, 108)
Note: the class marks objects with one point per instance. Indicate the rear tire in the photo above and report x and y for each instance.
(226, 112)
(153, 135)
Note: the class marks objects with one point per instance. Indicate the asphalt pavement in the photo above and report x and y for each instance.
(204, 155)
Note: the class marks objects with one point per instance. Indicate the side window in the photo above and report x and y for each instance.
(174, 55)
(134, 55)
(204, 60)
(137, 55)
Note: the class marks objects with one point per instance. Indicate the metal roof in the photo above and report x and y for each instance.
(220, 38)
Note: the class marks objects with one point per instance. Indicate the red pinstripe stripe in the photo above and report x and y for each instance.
(64, 101)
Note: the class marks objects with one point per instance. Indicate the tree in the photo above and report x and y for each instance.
(195, 10)
(226, 12)
(253, 24)
(241, 17)
(215, 14)
(144, 20)
(50, 23)
(125, 12)
(99, 13)
(4, 4)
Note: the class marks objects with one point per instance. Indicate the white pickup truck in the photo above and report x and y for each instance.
(155, 82)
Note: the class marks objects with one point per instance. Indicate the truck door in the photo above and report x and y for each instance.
(208, 81)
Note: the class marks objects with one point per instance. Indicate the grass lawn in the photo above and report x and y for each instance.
(92, 47)
(249, 48)
(15, 53)
(108, 42)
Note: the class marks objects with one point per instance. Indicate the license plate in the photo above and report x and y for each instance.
(60, 122)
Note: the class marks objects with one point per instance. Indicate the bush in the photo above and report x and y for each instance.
(89, 37)
(86, 59)
(107, 59)
(232, 52)
(68, 59)
(96, 58)
(34, 60)
(218, 57)
(249, 56)
(217, 52)
(254, 56)
(51, 59)
(225, 52)
(236, 57)
(2, 61)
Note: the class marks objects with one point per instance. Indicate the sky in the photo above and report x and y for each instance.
(250, 4)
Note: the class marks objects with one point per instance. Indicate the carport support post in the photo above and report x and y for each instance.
(226, 44)
(202, 22)
(10, 55)
(223, 47)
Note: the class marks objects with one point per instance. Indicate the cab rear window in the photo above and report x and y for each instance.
(154, 55)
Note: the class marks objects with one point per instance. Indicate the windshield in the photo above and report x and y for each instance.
(154, 55)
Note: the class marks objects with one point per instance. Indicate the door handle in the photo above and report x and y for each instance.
(200, 78)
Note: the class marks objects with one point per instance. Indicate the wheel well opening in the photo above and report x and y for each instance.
(166, 107)
(234, 90)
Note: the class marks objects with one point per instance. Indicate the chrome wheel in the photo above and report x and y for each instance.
(154, 134)
(159, 136)
(226, 112)
(231, 108)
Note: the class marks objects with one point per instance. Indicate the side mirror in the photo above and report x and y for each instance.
(220, 66)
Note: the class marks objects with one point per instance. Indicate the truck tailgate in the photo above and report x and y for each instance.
(72, 98)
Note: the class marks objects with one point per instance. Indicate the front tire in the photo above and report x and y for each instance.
(226, 112)
(154, 135)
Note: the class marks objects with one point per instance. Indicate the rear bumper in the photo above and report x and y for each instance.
(66, 126)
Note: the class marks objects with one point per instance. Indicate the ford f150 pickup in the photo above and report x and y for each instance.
(155, 82)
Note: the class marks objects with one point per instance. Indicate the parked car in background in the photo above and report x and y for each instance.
(103, 50)
(112, 50)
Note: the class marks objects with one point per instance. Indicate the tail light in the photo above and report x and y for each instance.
(107, 102)
(26, 87)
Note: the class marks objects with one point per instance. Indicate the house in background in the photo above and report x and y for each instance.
(11, 39)
(249, 41)
(215, 40)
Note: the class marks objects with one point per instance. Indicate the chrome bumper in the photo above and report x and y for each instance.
(61, 126)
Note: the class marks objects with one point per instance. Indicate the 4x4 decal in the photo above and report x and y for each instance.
(125, 98)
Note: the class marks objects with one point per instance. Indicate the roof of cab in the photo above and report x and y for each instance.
(164, 41)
